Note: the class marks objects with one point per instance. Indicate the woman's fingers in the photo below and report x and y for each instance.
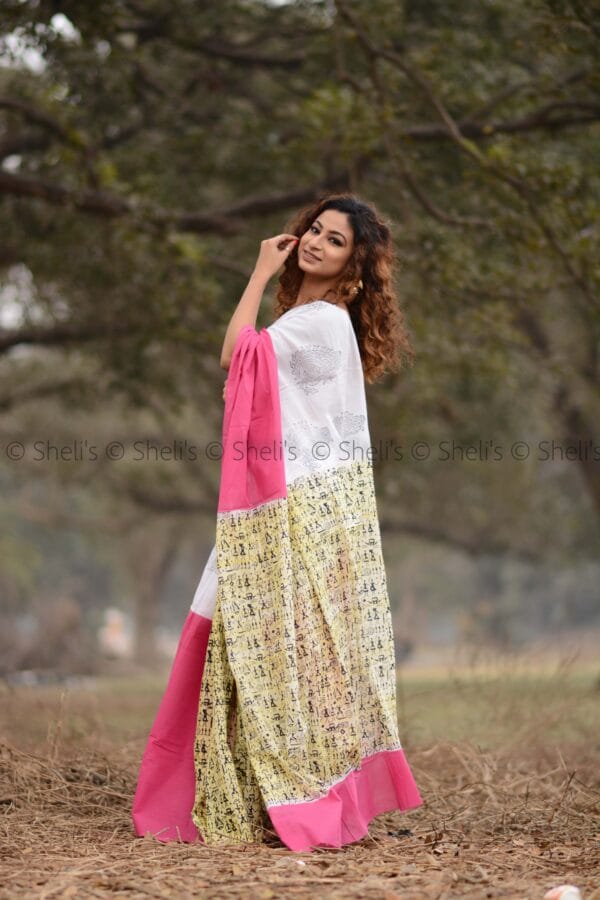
(284, 240)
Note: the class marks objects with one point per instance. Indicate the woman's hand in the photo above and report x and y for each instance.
(224, 386)
(273, 253)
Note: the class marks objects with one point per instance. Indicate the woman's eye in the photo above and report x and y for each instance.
(335, 240)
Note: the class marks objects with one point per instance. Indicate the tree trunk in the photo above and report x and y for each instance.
(152, 549)
(580, 431)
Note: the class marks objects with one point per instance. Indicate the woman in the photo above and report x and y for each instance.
(280, 711)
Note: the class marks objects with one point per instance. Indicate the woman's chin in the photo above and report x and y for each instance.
(306, 265)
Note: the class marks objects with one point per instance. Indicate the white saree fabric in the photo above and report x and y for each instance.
(324, 419)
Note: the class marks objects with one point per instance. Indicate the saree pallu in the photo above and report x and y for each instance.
(281, 707)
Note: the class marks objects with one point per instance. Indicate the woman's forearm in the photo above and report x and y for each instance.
(245, 313)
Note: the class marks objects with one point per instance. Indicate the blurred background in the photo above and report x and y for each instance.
(146, 149)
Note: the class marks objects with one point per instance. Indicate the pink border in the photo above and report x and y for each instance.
(166, 783)
(253, 463)
(165, 791)
(383, 783)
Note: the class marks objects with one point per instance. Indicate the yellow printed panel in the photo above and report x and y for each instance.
(299, 682)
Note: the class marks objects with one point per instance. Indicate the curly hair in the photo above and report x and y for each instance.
(376, 318)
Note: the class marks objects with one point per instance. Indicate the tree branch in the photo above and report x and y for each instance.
(473, 547)
(240, 55)
(224, 221)
(37, 392)
(574, 113)
(173, 503)
(63, 333)
(22, 142)
(519, 185)
(94, 201)
(36, 116)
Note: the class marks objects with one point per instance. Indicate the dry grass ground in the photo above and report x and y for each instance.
(507, 761)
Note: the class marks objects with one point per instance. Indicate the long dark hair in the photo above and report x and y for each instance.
(376, 317)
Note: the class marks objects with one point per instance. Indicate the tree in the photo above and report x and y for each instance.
(152, 146)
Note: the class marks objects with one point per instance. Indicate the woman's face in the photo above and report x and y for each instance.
(330, 241)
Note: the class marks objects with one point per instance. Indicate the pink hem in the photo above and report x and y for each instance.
(166, 783)
(165, 791)
(383, 783)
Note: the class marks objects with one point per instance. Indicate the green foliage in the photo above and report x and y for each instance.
(159, 121)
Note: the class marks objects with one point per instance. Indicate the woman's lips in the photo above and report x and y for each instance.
(310, 256)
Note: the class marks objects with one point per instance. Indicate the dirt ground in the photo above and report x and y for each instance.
(507, 762)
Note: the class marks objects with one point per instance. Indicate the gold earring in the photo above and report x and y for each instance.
(358, 287)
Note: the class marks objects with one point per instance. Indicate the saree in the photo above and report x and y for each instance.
(280, 711)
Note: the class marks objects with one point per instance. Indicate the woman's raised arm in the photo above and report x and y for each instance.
(273, 252)
(245, 314)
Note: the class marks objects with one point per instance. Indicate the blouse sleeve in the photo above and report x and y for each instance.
(321, 382)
